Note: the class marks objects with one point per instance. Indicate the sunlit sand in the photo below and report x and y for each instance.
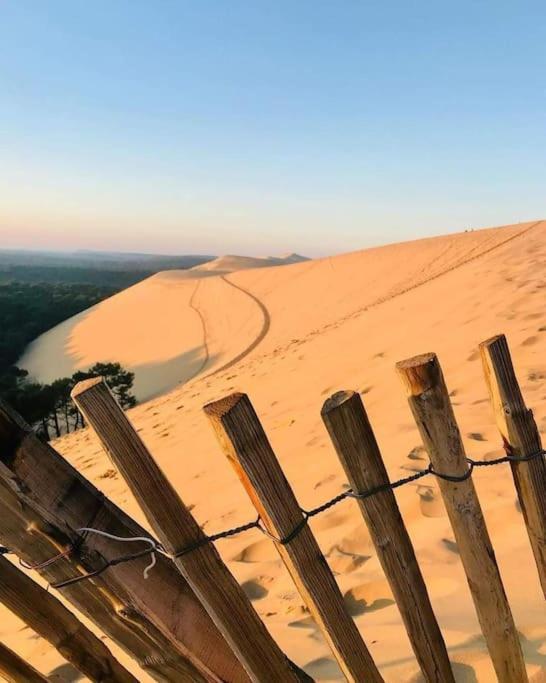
(290, 336)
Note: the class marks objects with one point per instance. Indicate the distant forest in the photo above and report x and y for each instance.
(114, 279)
(114, 270)
(39, 291)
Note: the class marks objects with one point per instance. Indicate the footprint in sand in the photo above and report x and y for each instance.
(299, 612)
(473, 356)
(450, 545)
(417, 453)
(430, 502)
(368, 597)
(326, 480)
(254, 590)
(109, 474)
(351, 552)
(345, 563)
(357, 542)
(476, 436)
(530, 341)
(261, 551)
(306, 622)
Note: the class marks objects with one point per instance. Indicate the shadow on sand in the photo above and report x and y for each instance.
(154, 379)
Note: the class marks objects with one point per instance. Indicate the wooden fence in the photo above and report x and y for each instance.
(191, 621)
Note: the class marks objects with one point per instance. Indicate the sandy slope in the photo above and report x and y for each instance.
(230, 263)
(343, 323)
(166, 329)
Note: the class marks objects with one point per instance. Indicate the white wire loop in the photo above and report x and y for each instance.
(124, 539)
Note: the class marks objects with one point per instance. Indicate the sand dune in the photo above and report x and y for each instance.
(297, 334)
(228, 264)
(167, 329)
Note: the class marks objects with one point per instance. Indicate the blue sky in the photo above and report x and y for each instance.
(264, 127)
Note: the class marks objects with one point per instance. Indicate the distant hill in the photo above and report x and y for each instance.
(231, 263)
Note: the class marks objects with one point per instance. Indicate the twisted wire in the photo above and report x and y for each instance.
(156, 547)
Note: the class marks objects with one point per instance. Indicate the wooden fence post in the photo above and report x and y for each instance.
(244, 442)
(50, 619)
(521, 438)
(177, 530)
(352, 435)
(431, 407)
(159, 622)
(15, 670)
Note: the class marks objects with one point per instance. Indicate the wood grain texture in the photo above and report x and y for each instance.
(159, 622)
(203, 568)
(245, 444)
(14, 669)
(353, 438)
(433, 413)
(50, 619)
(520, 433)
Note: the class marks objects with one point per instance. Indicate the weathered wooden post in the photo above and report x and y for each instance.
(159, 622)
(429, 401)
(245, 443)
(352, 435)
(203, 568)
(521, 439)
(15, 670)
(50, 619)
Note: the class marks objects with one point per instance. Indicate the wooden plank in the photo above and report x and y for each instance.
(50, 619)
(522, 439)
(177, 530)
(244, 442)
(106, 608)
(352, 435)
(14, 669)
(159, 622)
(429, 401)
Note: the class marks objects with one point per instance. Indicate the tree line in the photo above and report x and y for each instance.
(28, 310)
(49, 407)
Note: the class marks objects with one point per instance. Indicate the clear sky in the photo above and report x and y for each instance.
(262, 127)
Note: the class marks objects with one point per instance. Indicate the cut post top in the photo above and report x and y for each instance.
(224, 405)
(338, 399)
(493, 340)
(420, 373)
(85, 385)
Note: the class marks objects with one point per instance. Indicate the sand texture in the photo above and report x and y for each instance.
(290, 337)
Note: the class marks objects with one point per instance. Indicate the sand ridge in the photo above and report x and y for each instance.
(176, 325)
(342, 323)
